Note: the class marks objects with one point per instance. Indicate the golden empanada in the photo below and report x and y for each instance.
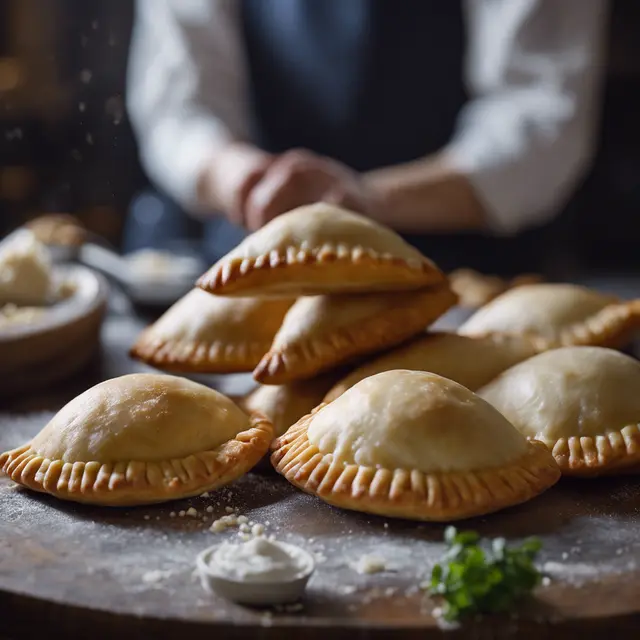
(321, 332)
(555, 315)
(582, 402)
(320, 249)
(285, 404)
(471, 362)
(474, 289)
(413, 445)
(140, 439)
(211, 334)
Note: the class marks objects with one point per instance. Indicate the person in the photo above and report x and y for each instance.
(448, 120)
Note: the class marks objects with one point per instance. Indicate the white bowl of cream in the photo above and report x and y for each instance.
(258, 572)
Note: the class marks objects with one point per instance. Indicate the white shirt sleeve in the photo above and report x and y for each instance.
(526, 137)
(186, 88)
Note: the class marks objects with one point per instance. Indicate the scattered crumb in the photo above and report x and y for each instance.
(228, 509)
(172, 514)
(153, 577)
(146, 517)
(192, 513)
(209, 509)
(346, 589)
(217, 527)
(370, 564)
(243, 519)
(182, 514)
(546, 581)
(257, 530)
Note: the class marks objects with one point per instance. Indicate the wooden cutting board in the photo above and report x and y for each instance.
(128, 573)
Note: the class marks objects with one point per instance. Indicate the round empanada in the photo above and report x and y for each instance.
(140, 439)
(413, 445)
(582, 402)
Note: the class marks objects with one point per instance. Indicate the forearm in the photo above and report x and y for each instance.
(424, 196)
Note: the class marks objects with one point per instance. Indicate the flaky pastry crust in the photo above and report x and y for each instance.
(128, 483)
(411, 494)
(192, 356)
(320, 249)
(328, 269)
(613, 452)
(202, 333)
(401, 317)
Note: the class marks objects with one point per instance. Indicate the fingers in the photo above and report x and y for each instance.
(238, 207)
(293, 180)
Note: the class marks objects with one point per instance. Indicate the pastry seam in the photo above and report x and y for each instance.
(611, 326)
(135, 482)
(199, 356)
(601, 454)
(390, 328)
(227, 273)
(437, 496)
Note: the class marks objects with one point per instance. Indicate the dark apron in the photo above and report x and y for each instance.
(370, 83)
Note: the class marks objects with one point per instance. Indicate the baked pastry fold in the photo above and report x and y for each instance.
(140, 439)
(322, 332)
(413, 445)
(320, 249)
(556, 315)
(283, 405)
(583, 403)
(202, 333)
(469, 361)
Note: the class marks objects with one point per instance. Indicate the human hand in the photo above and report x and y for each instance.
(301, 177)
(227, 181)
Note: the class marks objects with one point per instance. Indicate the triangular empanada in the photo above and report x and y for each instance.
(320, 249)
(211, 334)
(556, 315)
(322, 332)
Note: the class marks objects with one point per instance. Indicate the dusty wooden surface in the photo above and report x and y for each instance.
(129, 572)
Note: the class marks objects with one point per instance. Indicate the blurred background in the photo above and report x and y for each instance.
(66, 145)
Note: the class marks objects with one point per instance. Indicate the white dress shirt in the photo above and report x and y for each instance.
(524, 139)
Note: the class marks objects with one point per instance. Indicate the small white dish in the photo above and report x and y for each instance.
(265, 593)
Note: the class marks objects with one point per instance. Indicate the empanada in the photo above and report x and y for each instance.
(321, 332)
(472, 362)
(211, 334)
(555, 315)
(140, 439)
(320, 249)
(413, 445)
(582, 402)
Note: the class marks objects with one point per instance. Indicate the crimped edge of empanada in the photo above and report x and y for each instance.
(391, 327)
(410, 494)
(129, 483)
(326, 269)
(613, 326)
(191, 356)
(606, 454)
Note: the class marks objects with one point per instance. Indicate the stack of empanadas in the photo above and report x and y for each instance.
(315, 289)
(422, 425)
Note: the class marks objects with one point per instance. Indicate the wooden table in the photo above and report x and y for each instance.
(128, 573)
